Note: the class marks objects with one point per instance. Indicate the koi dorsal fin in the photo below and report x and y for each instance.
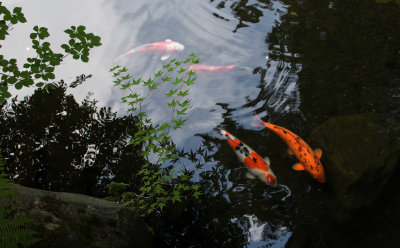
(298, 167)
(318, 152)
(266, 159)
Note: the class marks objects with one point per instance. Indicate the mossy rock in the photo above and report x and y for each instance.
(360, 153)
(74, 220)
(115, 188)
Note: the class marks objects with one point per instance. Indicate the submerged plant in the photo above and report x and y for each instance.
(161, 181)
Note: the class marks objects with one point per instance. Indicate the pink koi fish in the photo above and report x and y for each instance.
(203, 69)
(209, 68)
(166, 48)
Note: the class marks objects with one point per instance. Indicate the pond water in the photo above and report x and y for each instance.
(297, 63)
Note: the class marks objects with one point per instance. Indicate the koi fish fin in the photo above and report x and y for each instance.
(318, 152)
(167, 40)
(266, 159)
(290, 152)
(298, 167)
(249, 175)
(257, 122)
(166, 56)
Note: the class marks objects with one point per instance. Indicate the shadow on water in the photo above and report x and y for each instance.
(349, 59)
(348, 53)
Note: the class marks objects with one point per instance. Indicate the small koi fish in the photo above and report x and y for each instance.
(202, 68)
(166, 48)
(257, 166)
(209, 68)
(309, 159)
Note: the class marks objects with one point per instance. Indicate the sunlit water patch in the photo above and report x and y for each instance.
(262, 234)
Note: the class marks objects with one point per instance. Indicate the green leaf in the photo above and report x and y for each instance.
(161, 205)
(183, 93)
(68, 31)
(17, 10)
(171, 92)
(49, 69)
(181, 70)
(84, 58)
(50, 75)
(166, 79)
(196, 194)
(18, 85)
(11, 80)
(191, 73)
(21, 18)
(114, 68)
(158, 74)
(190, 81)
(33, 35)
(50, 85)
(14, 20)
(81, 28)
(172, 103)
(176, 196)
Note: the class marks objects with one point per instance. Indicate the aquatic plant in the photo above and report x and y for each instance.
(40, 68)
(13, 229)
(161, 181)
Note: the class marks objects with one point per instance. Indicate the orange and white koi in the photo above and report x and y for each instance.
(166, 48)
(257, 166)
(309, 160)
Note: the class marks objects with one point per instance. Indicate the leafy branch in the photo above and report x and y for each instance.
(40, 68)
(160, 184)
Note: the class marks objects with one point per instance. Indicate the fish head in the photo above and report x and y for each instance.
(320, 175)
(317, 171)
(269, 178)
(179, 46)
(261, 168)
(174, 46)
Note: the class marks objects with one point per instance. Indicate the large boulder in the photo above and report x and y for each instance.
(74, 220)
(360, 153)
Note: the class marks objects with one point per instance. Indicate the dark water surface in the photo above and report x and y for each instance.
(326, 58)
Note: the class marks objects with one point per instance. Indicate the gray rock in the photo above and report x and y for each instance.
(74, 220)
(360, 153)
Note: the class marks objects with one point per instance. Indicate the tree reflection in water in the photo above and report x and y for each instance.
(51, 142)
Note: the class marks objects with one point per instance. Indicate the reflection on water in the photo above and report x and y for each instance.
(49, 141)
(264, 234)
(244, 11)
(326, 58)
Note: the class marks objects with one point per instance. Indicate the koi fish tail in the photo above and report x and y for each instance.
(128, 53)
(257, 122)
(246, 68)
